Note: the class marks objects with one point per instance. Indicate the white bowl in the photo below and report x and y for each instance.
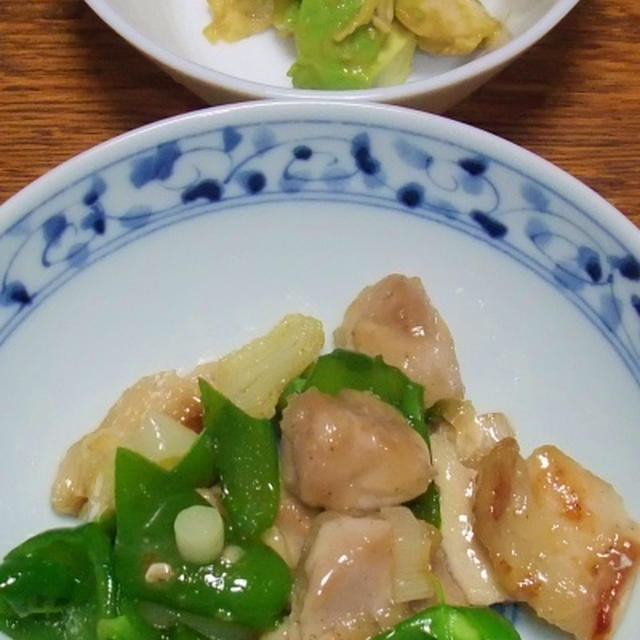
(182, 240)
(170, 32)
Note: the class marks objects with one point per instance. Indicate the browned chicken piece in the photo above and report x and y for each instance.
(351, 452)
(395, 319)
(467, 560)
(344, 585)
(558, 536)
(290, 529)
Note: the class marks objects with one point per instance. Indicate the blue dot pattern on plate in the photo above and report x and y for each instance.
(345, 162)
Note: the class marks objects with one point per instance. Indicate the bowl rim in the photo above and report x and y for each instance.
(492, 61)
(368, 113)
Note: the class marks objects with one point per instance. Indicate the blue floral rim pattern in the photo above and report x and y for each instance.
(379, 166)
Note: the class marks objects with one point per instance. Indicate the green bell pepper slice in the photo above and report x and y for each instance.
(242, 452)
(58, 584)
(252, 590)
(427, 506)
(129, 625)
(446, 622)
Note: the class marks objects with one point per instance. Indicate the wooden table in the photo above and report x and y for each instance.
(67, 83)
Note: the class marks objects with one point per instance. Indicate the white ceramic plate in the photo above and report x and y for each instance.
(182, 240)
(171, 33)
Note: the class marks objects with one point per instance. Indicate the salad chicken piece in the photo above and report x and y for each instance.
(239, 19)
(558, 536)
(394, 318)
(351, 452)
(447, 27)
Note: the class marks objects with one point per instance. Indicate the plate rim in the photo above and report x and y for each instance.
(136, 140)
(586, 206)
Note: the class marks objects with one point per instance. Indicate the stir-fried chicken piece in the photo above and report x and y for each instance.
(351, 452)
(84, 482)
(359, 576)
(290, 529)
(394, 318)
(252, 377)
(344, 587)
(559, 538)
(466, 559)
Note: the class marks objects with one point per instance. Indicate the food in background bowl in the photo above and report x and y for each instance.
(257, 66)
(357, 44)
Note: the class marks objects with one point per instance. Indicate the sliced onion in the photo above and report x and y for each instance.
(160, 438)
(162, 617)
(475, 435)
(412, 544)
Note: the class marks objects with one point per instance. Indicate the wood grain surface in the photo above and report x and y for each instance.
(67, 83)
